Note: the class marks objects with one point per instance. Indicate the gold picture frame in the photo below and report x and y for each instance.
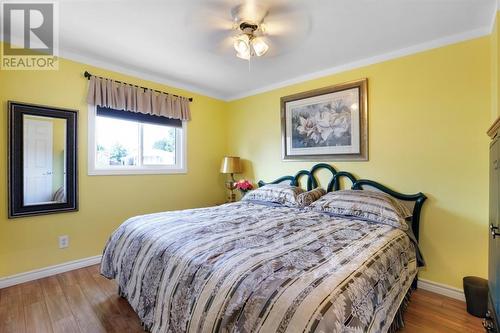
(327, 124)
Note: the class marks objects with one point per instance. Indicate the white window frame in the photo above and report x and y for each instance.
(180, 154)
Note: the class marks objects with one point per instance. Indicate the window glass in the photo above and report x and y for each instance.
(117, 142)
(158, 145)
(123, 146)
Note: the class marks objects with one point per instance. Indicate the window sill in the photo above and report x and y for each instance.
(116, 172)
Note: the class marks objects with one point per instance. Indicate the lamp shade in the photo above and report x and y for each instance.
(230, 164)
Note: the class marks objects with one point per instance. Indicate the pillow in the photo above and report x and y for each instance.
(278, 193)
(370, 206)
(59, 195)
(307, 198)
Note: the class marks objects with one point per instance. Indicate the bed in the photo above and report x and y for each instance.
(248, 267)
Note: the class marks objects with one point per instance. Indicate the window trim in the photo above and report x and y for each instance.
(180, 168)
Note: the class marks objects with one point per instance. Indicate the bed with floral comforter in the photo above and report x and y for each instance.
(247, 267)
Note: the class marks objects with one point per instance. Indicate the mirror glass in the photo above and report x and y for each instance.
(44, 160)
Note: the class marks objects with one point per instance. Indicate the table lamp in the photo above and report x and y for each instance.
(231, 165)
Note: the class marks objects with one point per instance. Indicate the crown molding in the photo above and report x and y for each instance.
(494, 16)
(94, 61)
(369, 61)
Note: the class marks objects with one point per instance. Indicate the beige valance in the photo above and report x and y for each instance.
(121, 96)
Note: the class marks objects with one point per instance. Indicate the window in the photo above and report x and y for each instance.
(123, 142)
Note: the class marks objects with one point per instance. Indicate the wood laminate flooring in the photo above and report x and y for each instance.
(84, 301)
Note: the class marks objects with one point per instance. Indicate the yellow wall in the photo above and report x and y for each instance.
(105, 201)
(495, 68)
(428, 114)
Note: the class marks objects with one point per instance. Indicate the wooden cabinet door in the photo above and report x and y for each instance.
(494, 243)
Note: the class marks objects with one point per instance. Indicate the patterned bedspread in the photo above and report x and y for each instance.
(246, 267)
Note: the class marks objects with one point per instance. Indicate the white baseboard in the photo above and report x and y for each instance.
(48, 271)
(12, 280)
(441, 289)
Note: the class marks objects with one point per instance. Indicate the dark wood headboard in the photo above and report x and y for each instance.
(357, 184)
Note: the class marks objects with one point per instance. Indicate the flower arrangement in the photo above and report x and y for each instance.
(244, 186)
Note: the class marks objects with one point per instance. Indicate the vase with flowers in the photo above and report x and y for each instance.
(244, 186)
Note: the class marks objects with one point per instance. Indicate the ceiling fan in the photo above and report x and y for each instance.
(252, 28)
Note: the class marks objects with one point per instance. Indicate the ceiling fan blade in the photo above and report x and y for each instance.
(211, 25)
(286, 26)
(206, 19)
(287, 18)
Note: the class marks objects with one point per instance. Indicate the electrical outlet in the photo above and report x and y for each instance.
(63, 241)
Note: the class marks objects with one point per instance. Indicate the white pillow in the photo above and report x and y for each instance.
(283, 194)
(367, 205)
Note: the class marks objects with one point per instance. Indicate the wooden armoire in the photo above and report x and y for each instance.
(492, 320)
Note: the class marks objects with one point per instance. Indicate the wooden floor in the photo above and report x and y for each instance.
(83, 301)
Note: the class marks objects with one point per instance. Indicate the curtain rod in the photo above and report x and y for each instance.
(88, 75)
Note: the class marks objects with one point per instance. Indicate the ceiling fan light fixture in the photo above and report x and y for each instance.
(244, 56)
(259, 46)
(242, 44)
(249, 42)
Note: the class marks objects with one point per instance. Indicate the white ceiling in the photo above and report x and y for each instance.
(187, 43)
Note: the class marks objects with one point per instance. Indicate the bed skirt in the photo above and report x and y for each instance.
(398, 322)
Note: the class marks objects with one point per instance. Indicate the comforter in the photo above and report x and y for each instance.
(246, 267)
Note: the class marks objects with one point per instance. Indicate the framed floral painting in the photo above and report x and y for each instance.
(326, 124)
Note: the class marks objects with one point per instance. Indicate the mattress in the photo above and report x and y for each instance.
(247, 267)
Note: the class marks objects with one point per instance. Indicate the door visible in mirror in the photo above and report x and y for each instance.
(44, 148)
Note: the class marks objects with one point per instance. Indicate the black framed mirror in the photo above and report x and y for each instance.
(42, 160)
